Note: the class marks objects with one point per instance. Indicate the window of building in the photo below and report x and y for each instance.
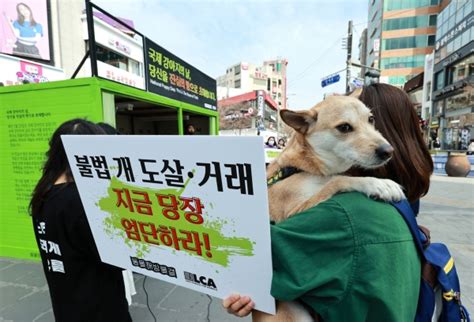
(463, 69)
(439, 80)
(115, 59)
(397, 80)
(432, 20)
(237, 70)
(465, 38)
(408, 42)
(403, 62)
(431, 40)
(428, 91)
(268, 84)
(390, 5)
(237, 83)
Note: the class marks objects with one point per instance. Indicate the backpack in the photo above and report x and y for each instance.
(440, 295)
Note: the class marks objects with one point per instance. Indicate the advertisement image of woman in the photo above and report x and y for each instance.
(26, 30)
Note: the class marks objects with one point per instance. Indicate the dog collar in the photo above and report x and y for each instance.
(282, 174)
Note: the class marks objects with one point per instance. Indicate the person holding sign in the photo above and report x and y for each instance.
(352, 258)
(82, 288)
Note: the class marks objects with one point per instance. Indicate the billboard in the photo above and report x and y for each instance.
(191, 210)
(16, 71)
(172, 77)
(25, 29)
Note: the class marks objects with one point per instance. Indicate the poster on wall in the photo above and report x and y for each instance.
(172, 77)
(24, 28)
(191, 211)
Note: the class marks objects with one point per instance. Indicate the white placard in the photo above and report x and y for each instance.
(150, 200)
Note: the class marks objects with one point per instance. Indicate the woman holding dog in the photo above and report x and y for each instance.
(82, 288)
(352, 258)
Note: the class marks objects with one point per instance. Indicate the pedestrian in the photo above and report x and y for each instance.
(437, 144)
(190, 130)
(470, 148)
(82, 288)
(108, 129)
(352, 258)
(281, 143)
(271, 143)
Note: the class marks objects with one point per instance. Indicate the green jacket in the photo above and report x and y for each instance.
(349, 258)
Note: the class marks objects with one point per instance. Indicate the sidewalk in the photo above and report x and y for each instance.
(24, 296)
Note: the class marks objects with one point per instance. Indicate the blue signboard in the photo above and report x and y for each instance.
(330, 80)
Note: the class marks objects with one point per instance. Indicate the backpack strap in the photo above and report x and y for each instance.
(406, 211)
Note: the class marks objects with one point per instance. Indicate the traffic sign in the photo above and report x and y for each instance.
(330, 80)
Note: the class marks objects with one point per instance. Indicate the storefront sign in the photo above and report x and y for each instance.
(25, 29)
(191, 211)
(15, 71)
(260, 103)
(172, 77)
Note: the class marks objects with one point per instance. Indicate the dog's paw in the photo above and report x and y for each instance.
(386, 190)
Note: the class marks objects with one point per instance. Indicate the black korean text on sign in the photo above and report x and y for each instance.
(85, 164)
(169, 76)
(125, 167)
(146, 165)
(238, 176)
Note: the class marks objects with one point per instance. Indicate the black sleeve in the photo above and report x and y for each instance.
(77, 226)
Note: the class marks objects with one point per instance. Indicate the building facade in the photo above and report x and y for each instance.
(252, 113)
(452, 117)
(400, 34)
(270, 77)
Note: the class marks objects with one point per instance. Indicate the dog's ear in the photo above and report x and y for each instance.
(356, 93)
(300, 121)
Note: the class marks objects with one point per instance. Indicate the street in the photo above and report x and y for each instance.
(447, 211)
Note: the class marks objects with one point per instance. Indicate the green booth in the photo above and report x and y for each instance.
(30, 113)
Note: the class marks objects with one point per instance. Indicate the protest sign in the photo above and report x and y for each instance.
(191, 211)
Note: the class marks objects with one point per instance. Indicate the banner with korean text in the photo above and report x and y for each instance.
(191, 211)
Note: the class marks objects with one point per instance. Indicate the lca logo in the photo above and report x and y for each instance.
(200, 280)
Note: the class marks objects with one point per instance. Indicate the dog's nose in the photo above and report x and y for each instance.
(384, 152)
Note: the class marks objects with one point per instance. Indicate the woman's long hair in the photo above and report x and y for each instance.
(395, 118)
(21, 18)
(56, 161)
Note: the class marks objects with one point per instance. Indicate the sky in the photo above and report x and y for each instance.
(213, 35)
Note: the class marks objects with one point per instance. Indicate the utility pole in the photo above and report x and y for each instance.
(349, 56)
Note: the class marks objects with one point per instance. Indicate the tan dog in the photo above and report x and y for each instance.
(329, 139)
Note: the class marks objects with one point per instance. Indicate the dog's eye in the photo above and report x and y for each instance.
(344, 128)
(371, 120)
